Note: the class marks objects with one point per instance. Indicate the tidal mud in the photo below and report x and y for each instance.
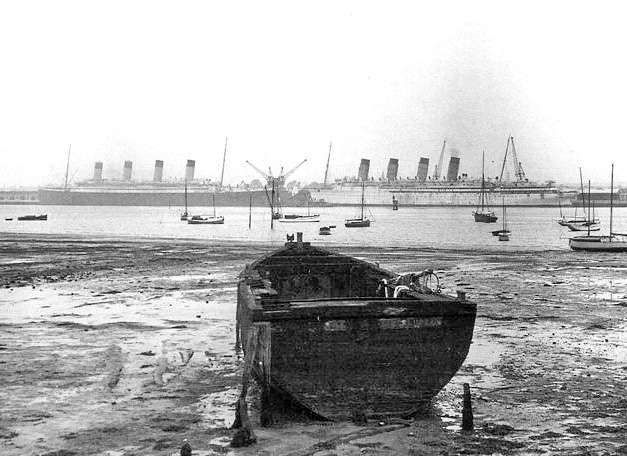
(118, 347)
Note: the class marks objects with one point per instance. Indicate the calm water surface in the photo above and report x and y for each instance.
(448, 227)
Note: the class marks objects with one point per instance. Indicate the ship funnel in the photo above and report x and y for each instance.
(453, 169)
(98, 171)
(128, 169)
(392, 169)
(364, 168)
(423, 169)
(189, 170)
(158, 176)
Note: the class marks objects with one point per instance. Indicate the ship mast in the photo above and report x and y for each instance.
(611, 201)
(482, 180)
(67, 167)
(438, 168)
(518, 169)
(223, 161)
(326, 171)
(504, 160)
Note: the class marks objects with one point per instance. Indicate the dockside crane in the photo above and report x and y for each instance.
(276, 181)
(519, 172)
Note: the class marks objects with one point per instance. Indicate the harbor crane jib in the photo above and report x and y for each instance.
(277, 181)
(519, 172)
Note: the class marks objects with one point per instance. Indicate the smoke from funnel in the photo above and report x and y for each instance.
(453, 169)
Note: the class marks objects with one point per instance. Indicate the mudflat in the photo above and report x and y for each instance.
(126, 346)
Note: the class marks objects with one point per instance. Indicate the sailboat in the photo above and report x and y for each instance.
(207, 219)
(585, 223)
(504, 233)
(297, 218)
(360, 222)
(614, 242)
(564, 221)
(483, 213)
(185, 214)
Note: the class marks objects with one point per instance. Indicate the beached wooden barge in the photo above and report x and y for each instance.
(340, 336)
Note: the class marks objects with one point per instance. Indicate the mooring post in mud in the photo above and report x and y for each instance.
(467, 419)
(244, 435)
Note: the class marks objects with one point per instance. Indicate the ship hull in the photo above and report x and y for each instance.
(451, 195)
(341, 337)
(601, 199)
(172, 197)
(339, 195)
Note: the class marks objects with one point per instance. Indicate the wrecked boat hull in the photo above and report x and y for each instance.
(346, 356)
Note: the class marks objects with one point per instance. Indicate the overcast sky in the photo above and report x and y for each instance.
(140, 81)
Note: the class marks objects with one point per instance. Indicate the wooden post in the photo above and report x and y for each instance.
(245, 435)
(467, 419)
(250, 210)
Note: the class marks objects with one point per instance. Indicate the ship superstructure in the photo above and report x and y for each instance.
(157, 192)
(439, 189)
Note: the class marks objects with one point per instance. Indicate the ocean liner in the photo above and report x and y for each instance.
(127, 192)
(439, 189)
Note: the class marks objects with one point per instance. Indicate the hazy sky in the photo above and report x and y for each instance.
(146, 80)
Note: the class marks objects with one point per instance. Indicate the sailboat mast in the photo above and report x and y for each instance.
(363, 189)
(611, 201)
(272, 208)
(186, 196)
(67, 167)
(250, 210)
(583, 195)
(589, 208)
(503, 214)
(326, 171)
(482, 179)
(223, 161)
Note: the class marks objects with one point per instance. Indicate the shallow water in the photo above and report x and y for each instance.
(439, 227)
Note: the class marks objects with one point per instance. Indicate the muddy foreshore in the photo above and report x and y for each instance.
(126, 347)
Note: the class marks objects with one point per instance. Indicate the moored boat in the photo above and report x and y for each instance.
(585, 225)
(483, 214)
(361, 221)
(325, 230)
(295, 218)
(503, 233)
(33, 217)
(205, 220)
(339, 336)
(613, 242)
